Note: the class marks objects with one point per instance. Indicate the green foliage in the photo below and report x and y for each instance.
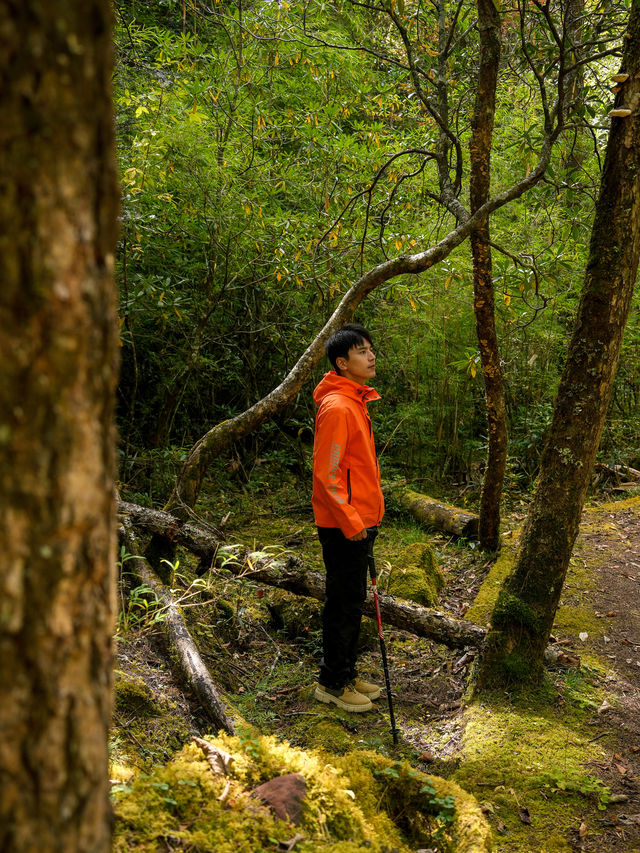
(141, 610)
(271, 154)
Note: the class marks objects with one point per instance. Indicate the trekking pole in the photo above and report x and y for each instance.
(383, 650)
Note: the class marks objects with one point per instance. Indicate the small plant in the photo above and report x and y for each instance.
(587, 785)
(141, 610)
(444, 806)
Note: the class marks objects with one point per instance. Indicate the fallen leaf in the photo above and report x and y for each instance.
(289, 845)
(612, 613)
(582, 832)
(583, 636)
(501, 827)
(525, 817)
(618, 798)
(605, 707)
(621, 769)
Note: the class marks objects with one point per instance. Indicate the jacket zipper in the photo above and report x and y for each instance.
(349, 485)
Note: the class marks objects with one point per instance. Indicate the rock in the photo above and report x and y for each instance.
(284, 796)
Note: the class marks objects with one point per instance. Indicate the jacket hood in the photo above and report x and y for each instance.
(331, 383)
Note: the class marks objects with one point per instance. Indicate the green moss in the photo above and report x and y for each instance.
(417, 576)
(529, 753)
(146, 730)
(132, 696)
(510, 610)
(481, 609)
(297, 617)
(575, 613)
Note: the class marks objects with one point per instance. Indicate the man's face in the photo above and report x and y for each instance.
(360, 366)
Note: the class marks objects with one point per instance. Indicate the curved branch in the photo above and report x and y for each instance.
(220, 437)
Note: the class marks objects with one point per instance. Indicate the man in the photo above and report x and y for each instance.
(348, 506)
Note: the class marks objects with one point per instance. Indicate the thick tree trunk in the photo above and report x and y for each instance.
(483, 294)
(440, 516)
(422, 621)
(524, 613)
(58, 357)
(184, 652)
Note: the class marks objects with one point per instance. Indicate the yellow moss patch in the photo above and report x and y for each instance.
(360, 798)
(574, 616)
(481, 609)
(618, 506)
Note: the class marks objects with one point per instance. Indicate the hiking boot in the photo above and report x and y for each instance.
(371, 691)
(344, 697)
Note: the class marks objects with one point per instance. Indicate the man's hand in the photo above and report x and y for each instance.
(362, 535)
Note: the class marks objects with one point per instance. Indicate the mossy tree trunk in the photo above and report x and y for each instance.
(58, 357)
(524, 612)
(483, 293)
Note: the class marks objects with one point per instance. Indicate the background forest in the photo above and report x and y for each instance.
(272, 152)
(280, 161)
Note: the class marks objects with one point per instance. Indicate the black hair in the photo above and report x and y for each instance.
(340, 342)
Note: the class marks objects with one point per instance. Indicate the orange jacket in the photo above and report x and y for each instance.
(346, 476)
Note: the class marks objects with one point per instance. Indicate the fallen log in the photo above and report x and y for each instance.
(184, 651)
(617, 472)
(440, 516)
(290, 575)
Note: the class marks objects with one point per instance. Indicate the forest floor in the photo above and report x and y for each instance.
(555, 769)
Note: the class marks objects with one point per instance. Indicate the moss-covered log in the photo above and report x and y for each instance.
(359, 801)
(440, 516)
(184, 652)
(293, 577)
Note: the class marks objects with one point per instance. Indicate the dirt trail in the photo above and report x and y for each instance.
(611, 541)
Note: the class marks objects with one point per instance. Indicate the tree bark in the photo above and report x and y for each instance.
(483, 292)
(440, 516)
(184, 652)
(58, 357)
(422, 621)
(526, 606)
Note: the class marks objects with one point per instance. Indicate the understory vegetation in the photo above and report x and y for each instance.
(264, 169)
(528, 768)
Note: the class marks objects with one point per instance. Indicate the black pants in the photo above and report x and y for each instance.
(346, 563)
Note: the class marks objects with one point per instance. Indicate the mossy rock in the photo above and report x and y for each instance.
(132, 696)
(417, 576)
(359, 800)
(297, 617)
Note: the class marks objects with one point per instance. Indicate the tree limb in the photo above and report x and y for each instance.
(293, 577)
(186, 654)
